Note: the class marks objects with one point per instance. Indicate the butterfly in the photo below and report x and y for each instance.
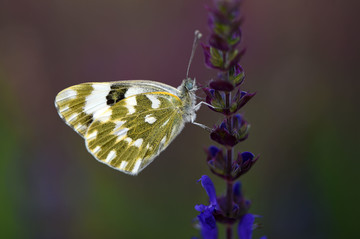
(126, 124)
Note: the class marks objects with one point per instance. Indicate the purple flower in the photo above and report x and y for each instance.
(209, 188)
(206, 217)
(240, 99)
(239, 131)
(216, 96)
(245, 226)
(225, 95)
(216, 160)
(243, 163)
(213, 57)
(208, 224)
(237, 75)
(218, 42)
(221, 85)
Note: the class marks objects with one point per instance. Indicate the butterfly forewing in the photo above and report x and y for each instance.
(126, 124)
(79, 104)
(130, 134)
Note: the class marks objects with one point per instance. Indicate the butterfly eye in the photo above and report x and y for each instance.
(189, 85)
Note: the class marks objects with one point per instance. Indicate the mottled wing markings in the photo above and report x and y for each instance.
(70, 104)
(79, 105)
(128, 141)
(126, 124)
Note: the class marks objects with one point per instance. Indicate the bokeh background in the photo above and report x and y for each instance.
(302, 60)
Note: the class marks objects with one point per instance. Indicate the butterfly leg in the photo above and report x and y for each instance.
(197, 107)
(202, 126)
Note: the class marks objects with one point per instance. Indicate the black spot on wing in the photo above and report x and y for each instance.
(116, 94)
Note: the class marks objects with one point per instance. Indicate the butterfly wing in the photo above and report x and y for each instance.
(80, 104)
(130, 134)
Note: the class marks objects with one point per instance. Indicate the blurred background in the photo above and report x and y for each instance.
(302, 60)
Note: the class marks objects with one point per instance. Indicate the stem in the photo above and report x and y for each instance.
(229, 181)
(229, 231)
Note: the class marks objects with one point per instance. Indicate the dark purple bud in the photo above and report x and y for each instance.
(245, 161)
(222, 136)
(237, 189)
(219, 18)
(221, 85)
(216, 161)
(235, 37)
(216, 99)
(223, 125)
(238, 133)
(237, 70)
(247, 156)
(209, 94)
(236, 75)
(213, 151)
(218, 42)
(207, 55)
(240, 200)
(240, 127)
(211, 22)
(235, 26)
(234, 58)
(240, 99)
(213, 57)
(245, 226)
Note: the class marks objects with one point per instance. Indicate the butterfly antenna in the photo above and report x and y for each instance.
(197, 37)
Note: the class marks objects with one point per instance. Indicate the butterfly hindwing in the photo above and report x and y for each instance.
(134, 130)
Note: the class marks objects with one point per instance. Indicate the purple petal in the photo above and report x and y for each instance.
(207, 54)
(234, 61)
(245, 226)
(222, 136)
(237, 189)
(209, 188)
(241, 98)
(222, 85)
(213, 150)
(208, 225)
(246, 156)
(200, 207)
(212, 57)
(218, 42)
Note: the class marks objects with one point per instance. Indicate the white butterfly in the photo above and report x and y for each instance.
(126, 124)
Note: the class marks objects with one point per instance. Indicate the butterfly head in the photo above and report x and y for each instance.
(189, 85)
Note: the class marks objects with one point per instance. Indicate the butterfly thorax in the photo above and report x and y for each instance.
(187, 95)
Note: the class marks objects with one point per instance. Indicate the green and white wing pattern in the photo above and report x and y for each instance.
(74, 109)
(135, 130)
(125, 124)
